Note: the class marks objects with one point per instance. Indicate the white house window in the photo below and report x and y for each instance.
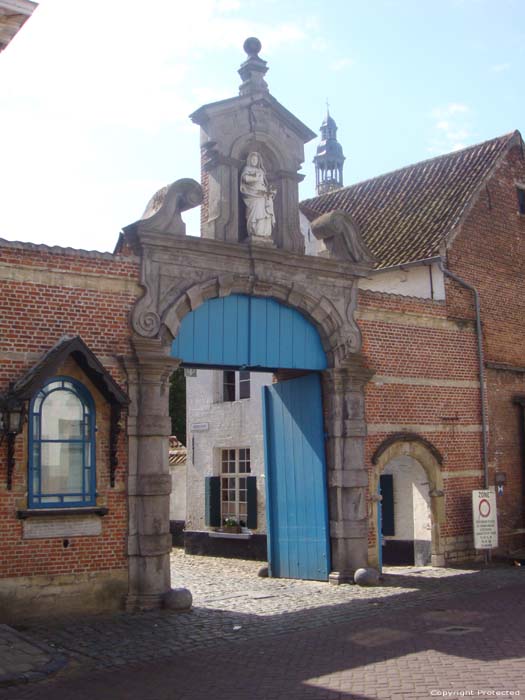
(235, 385)
(235, 467)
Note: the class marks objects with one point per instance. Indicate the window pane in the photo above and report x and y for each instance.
(36, 426)
(87, 454)
(62, 414)
(61, 467)
(244, 385)
(228, 386)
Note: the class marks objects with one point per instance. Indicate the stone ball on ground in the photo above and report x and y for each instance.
(178, 599)
(263, 572)
(366, 577)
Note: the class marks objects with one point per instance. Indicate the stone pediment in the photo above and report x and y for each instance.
(262, 101)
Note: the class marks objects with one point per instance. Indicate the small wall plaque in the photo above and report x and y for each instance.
(199, 427)
(39, 529)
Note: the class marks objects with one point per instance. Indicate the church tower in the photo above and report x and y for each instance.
(329, 158)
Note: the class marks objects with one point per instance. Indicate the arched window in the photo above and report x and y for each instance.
(62, 446)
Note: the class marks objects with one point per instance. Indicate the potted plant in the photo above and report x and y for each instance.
(231, 525)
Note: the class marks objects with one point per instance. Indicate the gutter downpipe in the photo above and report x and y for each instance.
(481, 363)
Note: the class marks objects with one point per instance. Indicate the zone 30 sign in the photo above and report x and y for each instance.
(485, 519)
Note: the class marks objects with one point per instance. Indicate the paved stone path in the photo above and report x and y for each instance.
(249, 637)
(23, 660)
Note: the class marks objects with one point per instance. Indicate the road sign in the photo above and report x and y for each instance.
(485, 519)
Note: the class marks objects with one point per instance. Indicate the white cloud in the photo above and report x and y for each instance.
(341, 64)
(88, 69)
(451, 128)
(500, 67)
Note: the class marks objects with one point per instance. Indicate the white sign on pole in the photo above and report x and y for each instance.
(485, 519)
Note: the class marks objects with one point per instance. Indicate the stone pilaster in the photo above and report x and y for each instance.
(149, 487)
(344, 406)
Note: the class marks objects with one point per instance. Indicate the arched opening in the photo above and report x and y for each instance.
(406, 522)
(406, 531)
(255, 468)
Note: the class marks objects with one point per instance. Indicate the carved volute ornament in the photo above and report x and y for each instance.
(341, 237)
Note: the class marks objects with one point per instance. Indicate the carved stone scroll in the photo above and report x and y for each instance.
(341, 237)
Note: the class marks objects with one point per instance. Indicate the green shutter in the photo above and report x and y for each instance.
(212, 500)
(386, 483)
(251, 520)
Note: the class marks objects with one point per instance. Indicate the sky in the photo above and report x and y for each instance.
(95, 95)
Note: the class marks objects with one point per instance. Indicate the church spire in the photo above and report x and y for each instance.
(329, 158)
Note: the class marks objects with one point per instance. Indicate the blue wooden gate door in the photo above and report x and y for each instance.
(296, 497)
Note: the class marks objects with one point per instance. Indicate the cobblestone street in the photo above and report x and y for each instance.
(247, 637)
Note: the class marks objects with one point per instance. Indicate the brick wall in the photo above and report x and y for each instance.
(46, 293)
(489, 252)
(425, 382)
(425, 358)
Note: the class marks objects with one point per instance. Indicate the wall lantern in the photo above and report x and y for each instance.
(12, 413)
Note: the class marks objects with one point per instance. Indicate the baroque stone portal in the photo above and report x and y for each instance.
(258, 197)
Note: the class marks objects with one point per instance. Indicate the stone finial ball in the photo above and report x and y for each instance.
(252, 46)
(366, 577)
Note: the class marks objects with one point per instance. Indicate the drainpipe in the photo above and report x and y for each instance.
(468, 286)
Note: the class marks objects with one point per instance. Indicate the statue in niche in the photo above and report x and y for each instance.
(258, 197)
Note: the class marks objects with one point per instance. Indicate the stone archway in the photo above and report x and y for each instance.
(428, 457)
(179, 274)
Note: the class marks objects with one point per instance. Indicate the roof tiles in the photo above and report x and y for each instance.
(405, 215)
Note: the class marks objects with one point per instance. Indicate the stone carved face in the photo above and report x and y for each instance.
(254, 160)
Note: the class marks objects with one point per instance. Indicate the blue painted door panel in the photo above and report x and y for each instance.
(296, 495)
(251, 332)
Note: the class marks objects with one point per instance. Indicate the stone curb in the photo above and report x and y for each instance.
(57, 662)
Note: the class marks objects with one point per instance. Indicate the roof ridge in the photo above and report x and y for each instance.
(505, 138)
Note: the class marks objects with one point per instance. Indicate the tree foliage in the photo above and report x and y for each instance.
(178, 404)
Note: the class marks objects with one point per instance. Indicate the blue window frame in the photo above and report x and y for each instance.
(62, 446)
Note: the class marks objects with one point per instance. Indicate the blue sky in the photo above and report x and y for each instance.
(95, 94)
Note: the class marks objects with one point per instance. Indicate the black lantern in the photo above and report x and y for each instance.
(12, 422)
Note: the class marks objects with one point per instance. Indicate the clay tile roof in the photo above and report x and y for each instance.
(405, 215)
(177, 451)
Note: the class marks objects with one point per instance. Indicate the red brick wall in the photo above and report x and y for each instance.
(489, 252)
(44, 294)
(416, 354)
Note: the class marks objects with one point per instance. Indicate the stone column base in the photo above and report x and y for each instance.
(336, 578)
(140, 603)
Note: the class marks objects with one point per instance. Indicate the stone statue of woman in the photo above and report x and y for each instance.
(258, 197)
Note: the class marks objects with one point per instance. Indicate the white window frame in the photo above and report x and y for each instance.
(238, 382)
(235, 468)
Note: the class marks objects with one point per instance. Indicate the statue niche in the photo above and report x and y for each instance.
(258, 197)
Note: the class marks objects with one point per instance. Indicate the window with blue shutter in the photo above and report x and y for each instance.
(212, 501)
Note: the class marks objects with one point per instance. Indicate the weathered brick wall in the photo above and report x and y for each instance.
(489, 252)
(46, 293)
(425, 382)
(425, 357)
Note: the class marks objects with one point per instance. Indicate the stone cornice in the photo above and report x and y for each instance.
(163, 245)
